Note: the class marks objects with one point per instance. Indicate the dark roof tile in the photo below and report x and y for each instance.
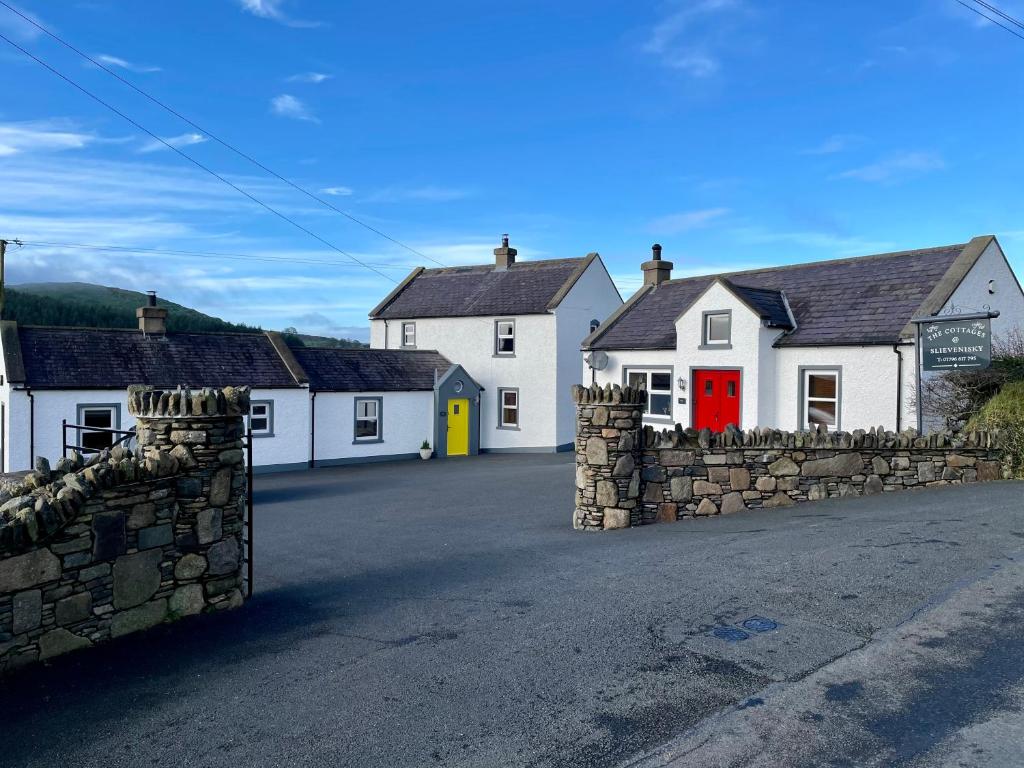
(865, 300)
(370, 370)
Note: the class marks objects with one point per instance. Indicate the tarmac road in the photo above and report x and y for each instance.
(445, 613)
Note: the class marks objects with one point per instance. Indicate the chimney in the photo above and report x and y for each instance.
(504, 257)
(152, 319)
(656, 271)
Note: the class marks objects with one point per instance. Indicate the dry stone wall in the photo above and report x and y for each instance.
(627, 475)
(98, 548)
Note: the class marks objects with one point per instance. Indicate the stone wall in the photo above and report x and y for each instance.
(627, 475)
(99, 548)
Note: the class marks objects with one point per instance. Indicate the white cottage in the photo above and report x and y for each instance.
(516, 328)
(826, 343)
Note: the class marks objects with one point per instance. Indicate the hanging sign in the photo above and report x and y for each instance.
(948, 345)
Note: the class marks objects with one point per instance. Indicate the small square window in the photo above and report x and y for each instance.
(367, 427)
(408, 334)
(820, 399)
(261, 418)
(658, 385)
(717, 328)
(102, 417)
(509, 407)
(505, 337)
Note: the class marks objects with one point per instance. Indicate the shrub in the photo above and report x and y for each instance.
(1005, 412)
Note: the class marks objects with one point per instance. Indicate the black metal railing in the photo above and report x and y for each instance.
(122, 436)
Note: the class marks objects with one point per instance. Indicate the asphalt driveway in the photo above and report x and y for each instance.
(445, 613)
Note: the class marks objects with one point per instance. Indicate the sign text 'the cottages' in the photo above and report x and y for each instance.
(954, 344)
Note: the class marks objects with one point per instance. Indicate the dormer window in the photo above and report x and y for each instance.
(717, 333)
(505, 338)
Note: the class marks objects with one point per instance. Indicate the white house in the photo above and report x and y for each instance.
(349, 406)
(516, 328)
(824, 343)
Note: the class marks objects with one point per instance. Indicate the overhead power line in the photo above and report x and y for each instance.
(191, 159)
(1000, 13)
(984, 16)
(222, 142)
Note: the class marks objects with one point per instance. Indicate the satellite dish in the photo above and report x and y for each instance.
(597, 360)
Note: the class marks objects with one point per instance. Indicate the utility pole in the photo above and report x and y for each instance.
(3, 255)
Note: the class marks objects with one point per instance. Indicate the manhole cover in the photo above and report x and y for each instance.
(730, 634)
(760, 624)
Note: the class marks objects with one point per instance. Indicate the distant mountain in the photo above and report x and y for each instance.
(99, 306)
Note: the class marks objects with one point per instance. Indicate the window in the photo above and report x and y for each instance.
(408, 334)
(594, 324)
(717, 329)
(102, 417)
(820, 398)
(508, 405)
(368, 425)
(261, 418)
(658, 384)
(505, 337)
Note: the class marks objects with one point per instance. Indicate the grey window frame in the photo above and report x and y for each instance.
(802, 372)
(648, 369)
(497, 352)
(501, 409)
(269, 432)
(705, 342)
(115, 420)
(410, 324)
(380, 420)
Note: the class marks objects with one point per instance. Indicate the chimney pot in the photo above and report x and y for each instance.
(151, 301)
(656, 271)
(504, 257)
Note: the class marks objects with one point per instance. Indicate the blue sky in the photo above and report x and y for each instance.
(737, 133)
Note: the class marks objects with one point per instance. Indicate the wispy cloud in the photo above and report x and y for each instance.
(337, 191)
(177, 142)
(309, 77)
(429, 194)
(825, 243)
(674, 223)
(896, 167)
(689, 39)
(116, 61)
(287, 105)
(40, 136)
(834, 144)
(271, 9)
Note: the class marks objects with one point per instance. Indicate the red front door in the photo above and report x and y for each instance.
(716, 399)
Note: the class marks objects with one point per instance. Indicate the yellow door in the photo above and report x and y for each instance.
(458, 427)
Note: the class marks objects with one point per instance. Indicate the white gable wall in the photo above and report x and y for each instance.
(469, 341)
(972, 295)
(407, 420)
(593, 297)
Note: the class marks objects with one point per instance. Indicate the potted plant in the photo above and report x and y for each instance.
(425, 450)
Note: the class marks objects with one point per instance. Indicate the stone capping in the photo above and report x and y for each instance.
(610, 394)
(147, 402)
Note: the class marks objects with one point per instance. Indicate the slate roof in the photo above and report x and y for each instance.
(370, 370)
(94, 358)
(768, 303)
(864, 300)
(525, 288)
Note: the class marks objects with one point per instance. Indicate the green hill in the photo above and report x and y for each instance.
(99, 306)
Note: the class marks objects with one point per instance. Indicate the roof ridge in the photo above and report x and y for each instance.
(846, 260)
(513, 267)
(259, 332)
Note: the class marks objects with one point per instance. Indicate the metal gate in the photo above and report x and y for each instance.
(247, 523)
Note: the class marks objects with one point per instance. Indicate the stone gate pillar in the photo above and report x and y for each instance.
(203, 431)
(608, 446)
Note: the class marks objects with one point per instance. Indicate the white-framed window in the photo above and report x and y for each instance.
(658, 383)
(820, 397)
(717, 329)
(261, 418)
(103, 416)
(408, 334)
(505, 337)
(508, 408)
(368, 420)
